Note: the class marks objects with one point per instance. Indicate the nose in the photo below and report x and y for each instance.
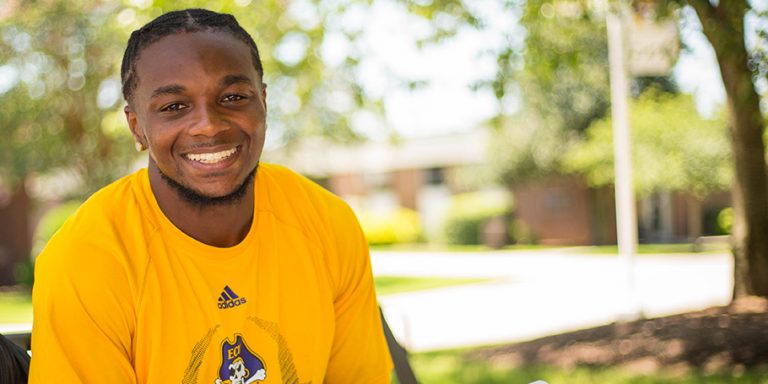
(208, 121)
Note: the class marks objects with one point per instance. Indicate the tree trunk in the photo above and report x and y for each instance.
(724, 27)
(15, 239)
(693, 218)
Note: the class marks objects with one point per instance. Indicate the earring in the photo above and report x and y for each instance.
(139, 147)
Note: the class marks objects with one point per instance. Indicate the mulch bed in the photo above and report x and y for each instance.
(717, 339)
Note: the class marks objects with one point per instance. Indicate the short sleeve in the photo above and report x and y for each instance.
(83, 314)
(359, 353)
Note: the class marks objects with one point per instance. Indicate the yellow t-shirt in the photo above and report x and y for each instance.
(123, 296)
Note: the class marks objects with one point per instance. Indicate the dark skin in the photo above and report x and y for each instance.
(200, 109)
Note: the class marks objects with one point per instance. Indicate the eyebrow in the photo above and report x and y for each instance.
(173, 89)
(234, 79)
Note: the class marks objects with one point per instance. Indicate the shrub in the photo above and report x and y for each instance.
(24, 273)
(725, 221)
(469, 212)
(391, 227)
(521, 233)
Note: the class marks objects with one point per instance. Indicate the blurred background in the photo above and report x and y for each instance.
(475, 141)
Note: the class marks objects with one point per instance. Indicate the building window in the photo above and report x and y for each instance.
(435, 176)
(377, 181)
(556, 200)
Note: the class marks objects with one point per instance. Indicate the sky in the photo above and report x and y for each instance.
(448, 104)
(697, 71)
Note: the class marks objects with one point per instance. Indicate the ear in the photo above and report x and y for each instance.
(133, 124)
(264, 96)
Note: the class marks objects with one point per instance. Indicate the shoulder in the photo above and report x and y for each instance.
(288, 188)
(324, 219)
(91, 273)
(301, 203)
(102, 236)
(105, 212)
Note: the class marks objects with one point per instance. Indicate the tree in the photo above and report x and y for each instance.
(562, 78)
(60, 90)
(56, 103)
(674, 149)
(723, 25)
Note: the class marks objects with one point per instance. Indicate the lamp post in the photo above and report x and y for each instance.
(650, 50)
(626, 217)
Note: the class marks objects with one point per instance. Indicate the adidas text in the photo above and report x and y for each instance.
(231, 303)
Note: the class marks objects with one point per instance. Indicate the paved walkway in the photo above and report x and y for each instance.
(538, 293)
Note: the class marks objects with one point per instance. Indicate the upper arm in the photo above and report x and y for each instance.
(83, 301)
(359, 351)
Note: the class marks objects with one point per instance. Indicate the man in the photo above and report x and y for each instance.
(206, 267)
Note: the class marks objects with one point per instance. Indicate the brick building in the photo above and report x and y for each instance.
(422, 174)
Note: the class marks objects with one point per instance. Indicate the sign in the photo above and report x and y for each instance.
(653, 46)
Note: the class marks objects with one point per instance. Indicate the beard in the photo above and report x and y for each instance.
(202, 201)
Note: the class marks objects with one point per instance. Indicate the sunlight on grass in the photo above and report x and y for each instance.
(451, 367)
(15, 307)
(676, 248)
(388, 285)
(647, 249)
(456, 248)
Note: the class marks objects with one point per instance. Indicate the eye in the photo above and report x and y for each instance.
(232, 98)
(172, 107)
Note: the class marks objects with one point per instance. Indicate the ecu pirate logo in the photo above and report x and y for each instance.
(239, 365)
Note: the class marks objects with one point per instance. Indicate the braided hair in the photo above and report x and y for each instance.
(183, 21)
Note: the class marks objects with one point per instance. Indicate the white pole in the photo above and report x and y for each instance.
(626, 221)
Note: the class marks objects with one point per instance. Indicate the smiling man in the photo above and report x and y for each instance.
(207, 266)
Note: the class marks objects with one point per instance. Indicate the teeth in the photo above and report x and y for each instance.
(211, 158)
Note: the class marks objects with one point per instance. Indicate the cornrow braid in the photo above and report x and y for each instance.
(183, 21)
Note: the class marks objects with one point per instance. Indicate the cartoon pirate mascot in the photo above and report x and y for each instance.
(239, 365)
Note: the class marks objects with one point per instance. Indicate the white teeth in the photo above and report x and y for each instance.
(211, 158)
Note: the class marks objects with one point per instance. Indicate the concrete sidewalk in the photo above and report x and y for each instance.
(539, 293)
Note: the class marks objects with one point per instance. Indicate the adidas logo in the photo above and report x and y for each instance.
(229, 298)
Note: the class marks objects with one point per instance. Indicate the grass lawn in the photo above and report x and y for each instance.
(645, 249)
(387, 285)
(426, 247)
(449, 367)
(15, 307)
(590, 249)
(723, 344)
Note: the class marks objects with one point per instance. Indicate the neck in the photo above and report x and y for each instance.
(218, 225)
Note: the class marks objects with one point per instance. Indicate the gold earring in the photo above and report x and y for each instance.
(139, 147)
